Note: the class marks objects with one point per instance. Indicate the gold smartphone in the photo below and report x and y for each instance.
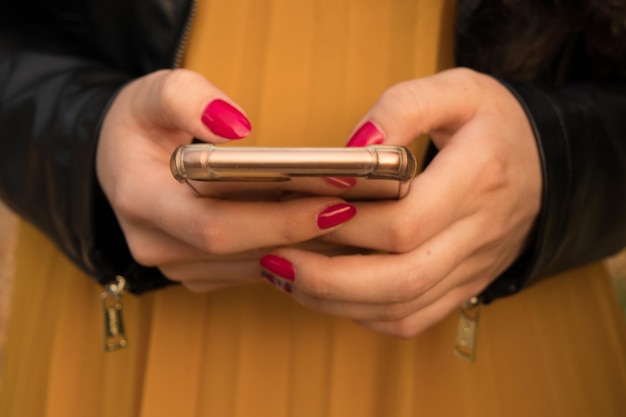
(381, 171)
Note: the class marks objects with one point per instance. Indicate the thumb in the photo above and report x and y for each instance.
(185, 100)
(440, 103)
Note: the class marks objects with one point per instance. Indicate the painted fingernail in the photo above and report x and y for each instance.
(226, 121)
(334, 215)
(278, 283)
(368, 134)
(278, 266)
(341, 182)
(269, 277)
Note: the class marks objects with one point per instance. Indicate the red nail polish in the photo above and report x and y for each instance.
(341, 182)
(334, 215)
(279, 266)
(226, 121)
(368, 134)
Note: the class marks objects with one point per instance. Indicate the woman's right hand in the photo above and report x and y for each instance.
(204, 243)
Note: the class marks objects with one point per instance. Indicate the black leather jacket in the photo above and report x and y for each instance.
(62, 61)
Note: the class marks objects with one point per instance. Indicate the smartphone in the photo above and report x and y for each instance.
(380, 171)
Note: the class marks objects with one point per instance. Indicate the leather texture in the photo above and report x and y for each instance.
(62, 61)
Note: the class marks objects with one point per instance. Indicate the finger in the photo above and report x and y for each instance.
(455, 185)
(380, 278)
(201, 287)
(152, 247)
(185, 100)
(420, 320)
(198, 273)
(400, 319)
(472, 276)
(223, 227)
(442, 102)
(220, 226)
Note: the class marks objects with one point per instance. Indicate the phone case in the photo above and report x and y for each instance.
(387, 170)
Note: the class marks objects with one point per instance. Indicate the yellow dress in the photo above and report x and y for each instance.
(306, 71)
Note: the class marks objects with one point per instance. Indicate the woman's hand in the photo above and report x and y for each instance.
(466, 218)
(202, 242)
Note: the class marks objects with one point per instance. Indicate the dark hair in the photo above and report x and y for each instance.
(528, 39)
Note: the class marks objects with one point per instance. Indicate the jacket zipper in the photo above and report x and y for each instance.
(182, 42)
(111, 301)
(467, 329)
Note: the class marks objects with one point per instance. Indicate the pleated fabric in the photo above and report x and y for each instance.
(305, 72)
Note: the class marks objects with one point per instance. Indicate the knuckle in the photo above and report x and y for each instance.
(396, 92)
(143, 254)
(410, 288)
(213, 238)
(403, 329)
(173, 85)
(291, 231)
(493, 233)
(494, 181)
(317, 288)
(467, 78)
(197, 287)
(404, 101)
(168, 272)
(493, 173)
(308, 302)
(400, 236)
(123, 201)
(401, 230)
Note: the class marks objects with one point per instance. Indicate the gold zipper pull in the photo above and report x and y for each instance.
(111, 299)
(465, 346)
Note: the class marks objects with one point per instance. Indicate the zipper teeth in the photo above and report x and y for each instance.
(182, 43)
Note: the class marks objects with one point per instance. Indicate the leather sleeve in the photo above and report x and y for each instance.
(581, 135)
(52, 98)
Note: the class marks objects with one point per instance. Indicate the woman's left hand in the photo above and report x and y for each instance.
(467, 217)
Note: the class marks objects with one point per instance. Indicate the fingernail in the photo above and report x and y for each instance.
(279, 266)
(341, 182)
(268, 277)
(278, 283)
(368, 134)
(226, 121)
(334, 215)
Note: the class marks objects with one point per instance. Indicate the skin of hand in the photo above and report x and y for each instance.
(204, 243)
(467, 217)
